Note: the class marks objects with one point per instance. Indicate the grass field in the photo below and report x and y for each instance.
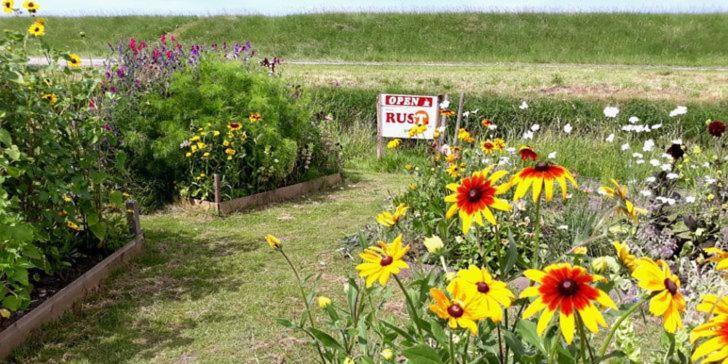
(697, 40)
(197, 292)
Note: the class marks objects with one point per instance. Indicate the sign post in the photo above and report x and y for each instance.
(397, 114)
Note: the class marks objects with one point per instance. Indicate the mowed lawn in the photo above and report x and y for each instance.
(208, 289)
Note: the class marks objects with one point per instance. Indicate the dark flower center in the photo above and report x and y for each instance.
(675, 151)
(386, 260)
(455, 310)
(483, 287)
(542, 166)
(568, 287)
(474, 194)
(670, 286)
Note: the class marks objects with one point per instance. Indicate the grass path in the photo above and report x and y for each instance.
(208, 289)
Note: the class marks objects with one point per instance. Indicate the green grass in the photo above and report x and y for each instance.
(209, 289)
(452, 37)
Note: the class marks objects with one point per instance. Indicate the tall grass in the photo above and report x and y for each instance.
(690, 39)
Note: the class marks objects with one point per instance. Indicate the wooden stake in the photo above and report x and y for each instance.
(132, 218)
(216, 186)
(459, 119)
(380, 139)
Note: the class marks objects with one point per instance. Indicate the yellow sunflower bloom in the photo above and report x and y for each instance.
(473, 197)
(542, 177)
(719, 256)
(37, 29)
(455, 169)
(392, 144)
(567, 289)
(481, 285)
(8, 6)
(31, 6)
(627, 259)
(74, 61)
(668, 302)
(464, 310)
(715, 348)
(382, 260)
(389, 219)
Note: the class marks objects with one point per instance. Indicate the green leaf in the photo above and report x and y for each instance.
(100, 230)
(116, 198)
(11, 302)
(285, 323)
(422, 354)
(326, 340)
(527, 330)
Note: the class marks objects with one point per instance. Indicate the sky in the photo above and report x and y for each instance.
(284, 7)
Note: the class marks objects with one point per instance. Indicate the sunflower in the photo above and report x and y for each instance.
(627, 259)
(542, 176)
(234, 125)
(254, 117)
(567, 289)
(487, 146)
(74, 60)
(37, 29)
(31, 6)
(473, 197)
(389, 219)
(719, 256)
(394, 143)
(526, 153)
(463, 310)
(8, 6)
(51, 98)
(667, 302)
(714, 349)
(382, 260)
(481, 284)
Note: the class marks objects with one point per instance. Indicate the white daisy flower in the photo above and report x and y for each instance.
(666, 167)
(672, 175)
(651, 179)
(654, 162)
(535, 127)
(646, 193)
(528, 135)
(523, 106)
(625, 146)
(633, 119)
(552, 155)
(690, 199)
(610, 138)
(656, 126)
(445, 104)
(611, 111)
(649, 145)
(568, 128)
(637, 155)
(680, 110)
(640, 161)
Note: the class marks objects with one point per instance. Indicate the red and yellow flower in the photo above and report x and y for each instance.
(233, 125)
(542, 177)
(473, 197)
(667, 302)
(715, 348)
(462, 310)
(382, 260)
(254, 117)
(526, 153)
(568, 290)
(481, 285)
(488, 146)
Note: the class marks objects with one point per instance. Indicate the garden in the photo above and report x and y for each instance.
(526, 230)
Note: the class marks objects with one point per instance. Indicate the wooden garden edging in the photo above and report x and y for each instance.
(265, 198)
(64, 299)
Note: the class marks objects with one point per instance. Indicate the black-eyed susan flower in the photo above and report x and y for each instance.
(568, 290)
(8, 6)
(527, 153)
(234, 125)
(487, 146)
(474, 196)
(715, 348)
(273, 242)
(461, 310)
(667, 302)
(481, 285)
(540, 177)
(389, 219)
(394, 143)
(382, 260)
(37, 29)
(500, 144)
(73, 61)
(254, 117)
(455, 169)
(719, 256)
(627, 259)
(31, 6)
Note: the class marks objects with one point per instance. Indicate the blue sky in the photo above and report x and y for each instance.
(283, 7)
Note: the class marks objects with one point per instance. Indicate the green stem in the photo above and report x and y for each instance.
(452, 349)
(537, 235)
(624, 316)
(500, 345)
(412, 310)
(584, 343)
(305, 301)
(671, 350)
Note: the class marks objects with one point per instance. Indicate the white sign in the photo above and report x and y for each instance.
(398, 114)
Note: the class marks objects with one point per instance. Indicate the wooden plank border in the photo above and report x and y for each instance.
(63, 300)
(265, 198)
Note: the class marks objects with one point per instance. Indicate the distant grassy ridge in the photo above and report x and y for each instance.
(585, 115)
(669, 39)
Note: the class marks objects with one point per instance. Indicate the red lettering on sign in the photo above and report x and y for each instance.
(401, 100)
(419, 117)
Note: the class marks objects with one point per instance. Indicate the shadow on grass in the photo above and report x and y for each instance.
(120, 323)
